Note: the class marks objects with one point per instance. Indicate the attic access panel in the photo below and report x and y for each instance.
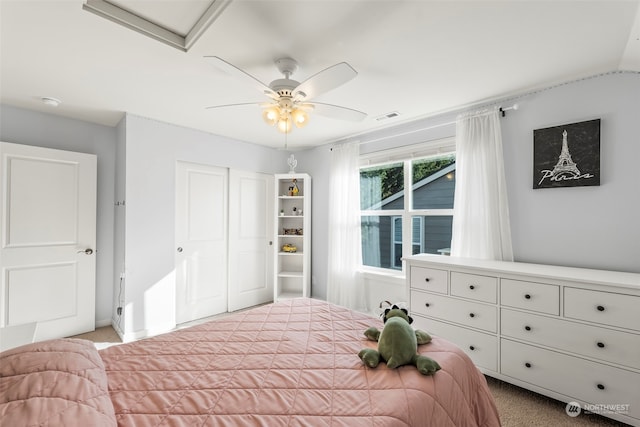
(178, 23)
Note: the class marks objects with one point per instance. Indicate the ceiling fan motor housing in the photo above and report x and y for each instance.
(284, 87)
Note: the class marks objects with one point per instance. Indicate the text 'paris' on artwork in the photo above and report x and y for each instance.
(567, 155)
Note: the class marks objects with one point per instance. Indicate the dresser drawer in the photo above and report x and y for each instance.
(467, 313)
(539, 297)
(429, 279)
(480, 347)
(474, 286)
(588, 381)
(602, 307)
(592, 341)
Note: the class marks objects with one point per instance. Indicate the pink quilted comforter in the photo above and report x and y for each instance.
(54, 383)
(292, 363)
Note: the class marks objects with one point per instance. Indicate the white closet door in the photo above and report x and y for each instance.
(201, 241)
(250, 239)
(48, 257)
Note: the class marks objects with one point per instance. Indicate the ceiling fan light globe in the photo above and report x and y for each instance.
(284, 125)
(300, 118)
(271, 116)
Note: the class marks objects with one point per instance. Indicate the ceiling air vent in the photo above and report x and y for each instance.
(391, 115)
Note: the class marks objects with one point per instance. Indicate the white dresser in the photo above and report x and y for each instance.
(569, 333)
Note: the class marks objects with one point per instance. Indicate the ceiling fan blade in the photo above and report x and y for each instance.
(337, 112)
(237, 72)
(324, 81)
(259, 104)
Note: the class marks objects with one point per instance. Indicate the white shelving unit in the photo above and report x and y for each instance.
(292, 227)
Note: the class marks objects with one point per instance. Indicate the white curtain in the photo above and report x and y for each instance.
(344, 282)
(481, 226)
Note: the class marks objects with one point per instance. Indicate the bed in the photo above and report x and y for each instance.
(290, 363)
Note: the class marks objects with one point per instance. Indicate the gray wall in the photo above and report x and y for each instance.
(44, 130)
(594, 227)
(151, 149)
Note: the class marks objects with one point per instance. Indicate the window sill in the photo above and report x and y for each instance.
(378, 273)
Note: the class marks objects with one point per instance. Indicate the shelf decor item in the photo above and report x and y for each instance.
(292, 231)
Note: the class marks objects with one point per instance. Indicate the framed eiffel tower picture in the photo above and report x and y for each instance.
(567, 155)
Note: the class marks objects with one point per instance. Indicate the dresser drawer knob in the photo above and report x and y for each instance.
(426, 279)
(527, 364)
(527, 328)
(600, 308)
(426, 304)
(527, 296)
(472, 287)
(600, 386)
(471, 348)
(472, 315)
(601, 344)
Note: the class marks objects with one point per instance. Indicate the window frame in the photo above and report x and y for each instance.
(405, 155)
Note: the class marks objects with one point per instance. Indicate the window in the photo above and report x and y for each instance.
(396, 222)
(417, 234)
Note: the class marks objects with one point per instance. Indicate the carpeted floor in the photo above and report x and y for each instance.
(517, 406)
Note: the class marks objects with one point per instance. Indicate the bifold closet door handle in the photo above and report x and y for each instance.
(179, 249)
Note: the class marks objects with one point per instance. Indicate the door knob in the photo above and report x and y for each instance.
(87, 251)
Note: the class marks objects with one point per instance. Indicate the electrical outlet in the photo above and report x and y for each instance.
(119, 311)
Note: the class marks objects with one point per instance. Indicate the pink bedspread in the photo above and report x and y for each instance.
(292, 363)
(54, 383)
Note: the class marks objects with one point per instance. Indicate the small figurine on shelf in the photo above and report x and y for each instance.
(288, 247)
(294, 211)
(295, 188)
(281, 212)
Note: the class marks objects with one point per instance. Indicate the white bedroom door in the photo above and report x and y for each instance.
(250, 239)
(48, 258)
(201, 241)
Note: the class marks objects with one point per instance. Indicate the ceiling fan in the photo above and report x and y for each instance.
(289, 100)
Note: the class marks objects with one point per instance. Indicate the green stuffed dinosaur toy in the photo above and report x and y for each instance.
(398, 343)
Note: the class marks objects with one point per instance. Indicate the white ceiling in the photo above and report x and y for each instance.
(418, 58)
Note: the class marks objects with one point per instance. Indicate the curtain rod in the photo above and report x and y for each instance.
(502, 110)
